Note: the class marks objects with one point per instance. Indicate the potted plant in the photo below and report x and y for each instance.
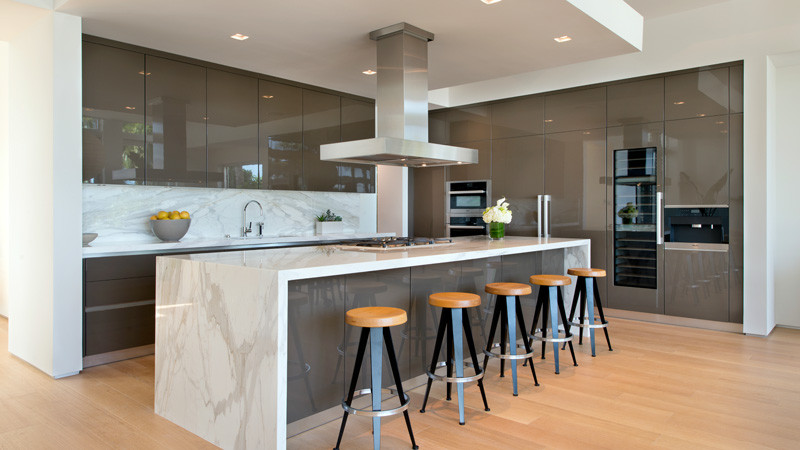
(497, 217)
(329, 223)
(628, 213)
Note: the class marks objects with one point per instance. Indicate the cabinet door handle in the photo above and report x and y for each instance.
(546, 205)
(659, 222)
(539, 206)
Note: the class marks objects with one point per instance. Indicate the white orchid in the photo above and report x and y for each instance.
(498, 213)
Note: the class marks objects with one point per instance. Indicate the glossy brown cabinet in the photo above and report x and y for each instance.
(636, 102)
(518, 117)
(469, 124)
(113, 116)
(480, 171)
(696, 94)
(736, 100)
(175, 123)
(518, 175)
(321, 125)
(358, 122)
(427, 186)
(232, 130)
(696, 162)
(736, 217)
(280, 130)
(438, 128)
(575, 110)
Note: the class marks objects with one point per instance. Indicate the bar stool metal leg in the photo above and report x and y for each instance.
(437, 347)
(387, 336)
(474, 355)
(567, 328)
(458, 350)
(512, 337)
(551, 295)
(602, 316)
(362, 346)
(376, 359)
(590, 308)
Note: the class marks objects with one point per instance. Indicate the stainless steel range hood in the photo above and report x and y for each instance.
(402, 108)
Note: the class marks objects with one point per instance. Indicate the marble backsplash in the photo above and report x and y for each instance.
(122, 213)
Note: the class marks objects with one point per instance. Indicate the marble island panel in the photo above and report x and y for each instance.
(222, 321)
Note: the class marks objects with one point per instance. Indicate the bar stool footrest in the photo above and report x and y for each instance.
(589, 325)
(550, 339)
(370, 412)
(478, 375)
(492, 354)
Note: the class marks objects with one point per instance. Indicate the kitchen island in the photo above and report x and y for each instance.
(239, 334)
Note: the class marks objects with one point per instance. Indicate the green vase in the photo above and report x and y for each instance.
(497, 230)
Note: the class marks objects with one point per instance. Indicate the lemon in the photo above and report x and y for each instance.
(184, 215)
(174, 215)
(153, 217)
(161, 215)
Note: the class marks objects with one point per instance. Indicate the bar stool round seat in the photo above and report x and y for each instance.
(454, 300)
(375, 317)
(508, 289)
(550, 280)
(586, 272)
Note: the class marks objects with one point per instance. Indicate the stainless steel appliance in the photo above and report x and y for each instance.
(394, 243)
(466, 201)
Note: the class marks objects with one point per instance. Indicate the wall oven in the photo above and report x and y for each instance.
(466, 201)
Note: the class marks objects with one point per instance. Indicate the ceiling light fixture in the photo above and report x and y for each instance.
(142, 72)
(548, 120)
(267, 96)
(561, 39)
(239, 37)
(130, 108)
(369, 72)
(678, 103)
(491, 2)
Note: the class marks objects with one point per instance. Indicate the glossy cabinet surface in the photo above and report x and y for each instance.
(427, 186)
(518, 175)
(736, 100)
(636, 102)
(736, 217)
(280, 135)
(518, 117)
(321, 125)
(232, 130)
(696, 163)
(575, 170)
(358, 122)
(480, 171)
(438, 127)
(469, 124)
(113, 116)
(175, 123)
(696, 94)
(575, 110)
(696, 284)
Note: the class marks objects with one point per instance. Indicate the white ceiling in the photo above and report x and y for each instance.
(325, 43)
(16, 16)
(652, 9)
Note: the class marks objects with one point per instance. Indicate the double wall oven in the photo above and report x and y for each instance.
(466, 201)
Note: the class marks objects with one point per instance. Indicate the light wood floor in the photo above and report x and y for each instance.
(662, 386)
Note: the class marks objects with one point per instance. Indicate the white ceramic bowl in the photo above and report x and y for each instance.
(170, 230)
(88, 237)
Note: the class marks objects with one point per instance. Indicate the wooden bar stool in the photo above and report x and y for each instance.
(508, 312)
(586, 289)
(550, 298)
(375, 322)
(454, 318)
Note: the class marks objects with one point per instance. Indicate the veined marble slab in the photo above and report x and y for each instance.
(221, 327)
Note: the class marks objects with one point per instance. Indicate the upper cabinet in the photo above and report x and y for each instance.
(176, 123)
(519, 117)
(170, 121)
(321, 125)
(575, 110)
(358, 122)
(438, 127)
(697, 167)
(232, 131)
(280, 143)
(480, 171)
(469, 124)
(737, 89)
(636, 102)
(113, 115)
(697, 94)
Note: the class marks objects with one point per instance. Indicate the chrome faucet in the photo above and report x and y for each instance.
(247, 227)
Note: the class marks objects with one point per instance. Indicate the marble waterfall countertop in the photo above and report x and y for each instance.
(96, 250)
(222, 327)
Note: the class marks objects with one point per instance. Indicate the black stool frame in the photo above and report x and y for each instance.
(593, 297)
(544, 302)
(508, 329)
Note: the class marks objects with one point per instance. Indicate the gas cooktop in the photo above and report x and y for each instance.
(394, 243)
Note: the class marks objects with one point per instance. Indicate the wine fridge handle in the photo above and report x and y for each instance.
(539, 206)
(546, 205)
(659, 221)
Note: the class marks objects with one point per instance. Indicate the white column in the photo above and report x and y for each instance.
(45, 290)
(392, 189)
(4, 212)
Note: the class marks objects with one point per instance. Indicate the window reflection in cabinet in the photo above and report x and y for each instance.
(113, 115)
(321, 125)
(280, 132)
(358, 122)
(232, 131)
(175, 123)
(696, 94)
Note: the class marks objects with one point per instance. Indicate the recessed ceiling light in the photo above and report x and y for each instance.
(719, 122)
(561, 39)
(88, 109)
(239, 37)
(701, 115)
(423, 164)
(548, 120)
(678, 103)
(491, 2)
(130, 107)
(369, 72)
(142, 72)
(267, 96)
(587, 132)
(461, 162)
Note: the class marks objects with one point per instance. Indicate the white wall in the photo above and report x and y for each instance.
(787, 155)
(4, 212)
(748, 30)
(45, 289)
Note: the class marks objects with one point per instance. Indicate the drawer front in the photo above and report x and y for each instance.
(112, 292)
(118, 329)
(119, 267)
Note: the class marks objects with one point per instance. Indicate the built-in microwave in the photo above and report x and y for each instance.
(465, 202)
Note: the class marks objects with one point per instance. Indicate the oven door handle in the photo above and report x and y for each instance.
(466, 227)
(465, 192)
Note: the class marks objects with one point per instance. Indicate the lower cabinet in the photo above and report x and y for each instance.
(696, 284)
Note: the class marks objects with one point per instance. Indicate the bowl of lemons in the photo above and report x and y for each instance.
(170, 226)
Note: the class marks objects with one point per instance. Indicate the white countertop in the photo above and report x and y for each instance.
(321, 261)
(96, 250)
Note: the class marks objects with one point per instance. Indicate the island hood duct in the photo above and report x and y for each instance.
(402, 105)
